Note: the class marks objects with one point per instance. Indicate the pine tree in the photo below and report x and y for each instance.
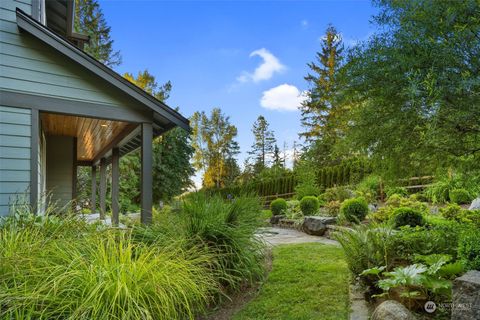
(264, 145)
(278, 160)
(89, 20)
(320, 112)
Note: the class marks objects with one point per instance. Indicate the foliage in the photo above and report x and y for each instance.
(405, 216)
(63, 268)
(264, 144)
(369, 188)
(332, 208)
(278, 206)
(213, 139)
(421, 282)
(293, 209)
(337, 194)
(89, 20)
(320, 112)
(469, 249)
(366, 246)
(321, 292)
(401, 191)
(305, 173)
(395, 201)
(417, 94)
(227, 228)
(439, 191)
(309, 205)
(459, 196)
(354, 210)
(451, 211)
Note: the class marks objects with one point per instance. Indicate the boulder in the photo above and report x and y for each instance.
(276, 219)
(466, 296)
(475, 205)
(392, 310)
(317, 225)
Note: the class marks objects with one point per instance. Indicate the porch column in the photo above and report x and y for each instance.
(93, 204)
(147, 181)
(115, 185)
(103, 186)
(34, 143)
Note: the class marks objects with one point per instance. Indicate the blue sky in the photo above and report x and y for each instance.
(233, 54)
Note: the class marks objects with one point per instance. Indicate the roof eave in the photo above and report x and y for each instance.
(30, 25)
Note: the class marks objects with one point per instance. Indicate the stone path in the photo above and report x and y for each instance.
(275, 236)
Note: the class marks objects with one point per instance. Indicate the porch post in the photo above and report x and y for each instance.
(103, 186)
(93, 204)
(34, 143)
(115, 185)
(147, 181)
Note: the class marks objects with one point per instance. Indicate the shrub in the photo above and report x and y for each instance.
(337, 194)
(369, 187)
(293, 209)
(332, 208)
(405, 216)
(304, 190)
(451, 212)
(396, 190)
(321, 201)
(354, 210)
(278, 206)
(366, 246)
(459, 196)
(309, 205)
(469, 249)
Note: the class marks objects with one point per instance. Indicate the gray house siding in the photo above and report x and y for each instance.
(60, 154)
(15, 135)
(29, 66)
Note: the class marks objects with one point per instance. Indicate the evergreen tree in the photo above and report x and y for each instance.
(264, 144)
(320, 112)
(89, 20)
(278, 160)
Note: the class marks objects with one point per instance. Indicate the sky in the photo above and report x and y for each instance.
(248, 58)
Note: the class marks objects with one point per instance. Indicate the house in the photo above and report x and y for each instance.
(61, 109)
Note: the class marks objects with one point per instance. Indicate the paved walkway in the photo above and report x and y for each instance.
(275, 236)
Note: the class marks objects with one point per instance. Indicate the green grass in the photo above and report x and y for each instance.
(308, 281)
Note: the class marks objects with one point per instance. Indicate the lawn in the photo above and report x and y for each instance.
(308, 281)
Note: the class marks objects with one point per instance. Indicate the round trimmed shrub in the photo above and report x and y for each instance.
(278, 206)
(354, 210)
(309, 205)
(405, 216)
(460, 196)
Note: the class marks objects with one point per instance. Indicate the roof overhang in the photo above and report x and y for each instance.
(163, 118)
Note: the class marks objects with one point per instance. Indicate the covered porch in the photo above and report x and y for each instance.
(68, 142)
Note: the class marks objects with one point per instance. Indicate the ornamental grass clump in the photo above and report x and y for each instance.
(55, 273)
(460, 196)
(227, 229)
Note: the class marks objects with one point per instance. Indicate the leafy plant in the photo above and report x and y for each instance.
(278, 206)
(401, 191)
(332, 208)
(337, 194)
(460, 196)
(293, 209)
(406, 216)
(354, 210)
(469, 249)
(369, 187)
(309, 205)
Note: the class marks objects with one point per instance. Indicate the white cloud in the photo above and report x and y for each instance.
(265, 70)
(285, 97)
